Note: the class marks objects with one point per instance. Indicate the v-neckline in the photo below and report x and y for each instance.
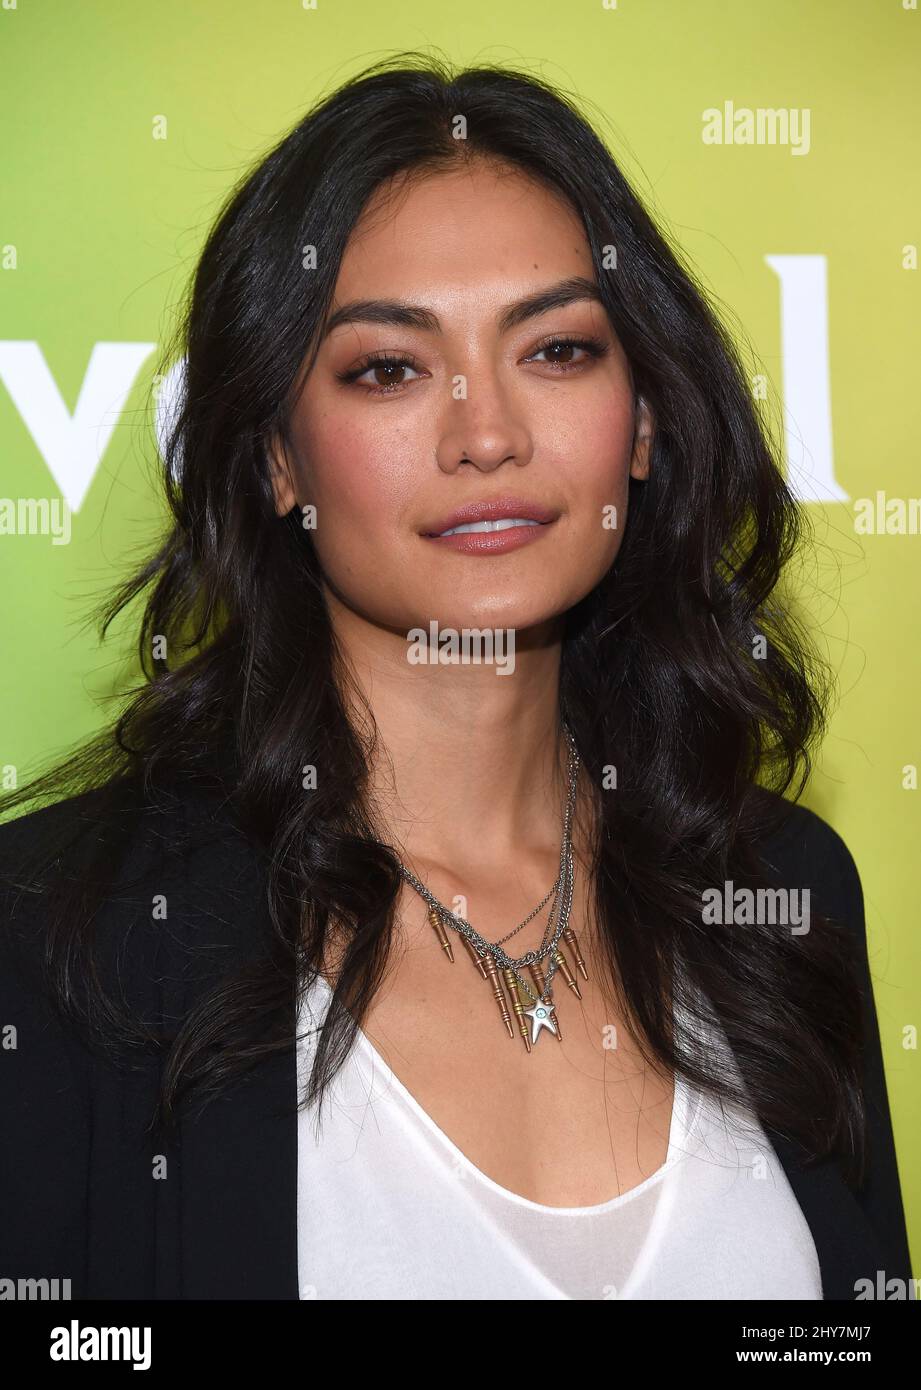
(684, 1111)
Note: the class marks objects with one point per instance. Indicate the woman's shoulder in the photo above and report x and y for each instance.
(163, 876)
(119, 822)
(788, 827)
(798, 848)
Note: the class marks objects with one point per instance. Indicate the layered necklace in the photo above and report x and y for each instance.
(531, 997)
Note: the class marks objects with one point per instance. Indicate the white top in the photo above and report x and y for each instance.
(389, 1208)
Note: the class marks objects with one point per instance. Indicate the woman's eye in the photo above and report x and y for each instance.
(386, 374)
(563, 352)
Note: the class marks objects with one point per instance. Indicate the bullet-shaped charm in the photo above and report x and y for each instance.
(438, 927)
(567, 974)
(474, 955)
(571, 940)
(511, 984)
(497, 994)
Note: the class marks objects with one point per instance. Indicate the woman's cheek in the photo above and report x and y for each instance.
(342, 479)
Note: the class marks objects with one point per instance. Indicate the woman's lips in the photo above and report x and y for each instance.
(492, 542)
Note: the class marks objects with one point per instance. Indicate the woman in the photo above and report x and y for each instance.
(396, 946)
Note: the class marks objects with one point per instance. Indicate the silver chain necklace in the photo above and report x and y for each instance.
(490, 958)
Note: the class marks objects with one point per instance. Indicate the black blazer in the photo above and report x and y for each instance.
(82, 1190)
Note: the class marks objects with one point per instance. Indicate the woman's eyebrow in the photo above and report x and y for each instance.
(400, 314)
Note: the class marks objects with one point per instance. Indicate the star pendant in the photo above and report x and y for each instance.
(541, 1016)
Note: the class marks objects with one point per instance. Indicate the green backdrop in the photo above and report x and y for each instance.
(125, 124)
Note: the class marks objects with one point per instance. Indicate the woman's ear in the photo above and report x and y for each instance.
(281, 475)
(642, 440)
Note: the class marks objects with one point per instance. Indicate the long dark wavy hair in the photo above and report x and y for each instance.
(658, 674)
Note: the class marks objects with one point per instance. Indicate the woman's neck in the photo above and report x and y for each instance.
(469, 766)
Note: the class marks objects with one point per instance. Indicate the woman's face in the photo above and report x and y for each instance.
(474, 404)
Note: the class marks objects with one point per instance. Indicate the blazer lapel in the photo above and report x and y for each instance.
(231, 1230)
(846, 1244)
(238, 1174)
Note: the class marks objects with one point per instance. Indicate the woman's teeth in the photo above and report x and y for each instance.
(503, 525)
